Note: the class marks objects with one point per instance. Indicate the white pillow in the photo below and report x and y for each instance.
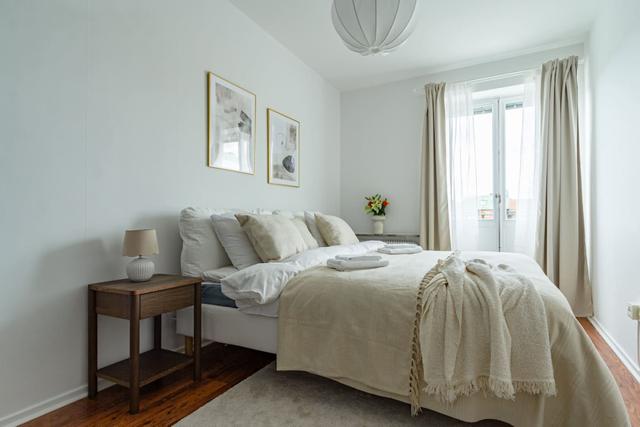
(260, 283)
(201, 250)
(310, 220)
(218, 274)
(274, 237)
(335, 230)
(234, 241)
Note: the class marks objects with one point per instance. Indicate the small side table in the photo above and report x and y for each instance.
(135, 301)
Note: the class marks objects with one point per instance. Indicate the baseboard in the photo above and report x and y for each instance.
(627, 361)
(48, 405)
(53, 403)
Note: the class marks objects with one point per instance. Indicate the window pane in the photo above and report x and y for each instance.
(518, 157)
(483, 132)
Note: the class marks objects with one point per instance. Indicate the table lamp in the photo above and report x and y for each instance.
(139, 243)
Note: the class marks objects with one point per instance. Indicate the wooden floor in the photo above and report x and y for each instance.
(629, 387)
(165, 401)
(176, 396)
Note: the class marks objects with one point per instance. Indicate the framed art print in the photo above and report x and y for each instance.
(231, 126)
(283, 149)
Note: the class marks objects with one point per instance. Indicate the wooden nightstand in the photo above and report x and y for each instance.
(135, 301)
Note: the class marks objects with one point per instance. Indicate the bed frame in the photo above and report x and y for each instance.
(230, 326)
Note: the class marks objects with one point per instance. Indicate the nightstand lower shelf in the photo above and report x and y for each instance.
(154, 364)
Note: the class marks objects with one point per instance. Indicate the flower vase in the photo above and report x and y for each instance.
(378, 224)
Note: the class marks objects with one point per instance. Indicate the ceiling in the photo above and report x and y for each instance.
(448, 33)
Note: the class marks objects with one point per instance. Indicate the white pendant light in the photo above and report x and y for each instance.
(372, 27)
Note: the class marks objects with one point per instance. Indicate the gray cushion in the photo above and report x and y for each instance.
(234, 241)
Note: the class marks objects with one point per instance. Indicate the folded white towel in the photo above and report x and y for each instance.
(400, 249)
(341, 265)
(358, 257)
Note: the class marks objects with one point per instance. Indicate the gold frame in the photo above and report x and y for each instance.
(210, 77)
(269, 110)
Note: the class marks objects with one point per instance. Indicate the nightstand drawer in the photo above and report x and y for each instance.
(165, 301)
(114, 305)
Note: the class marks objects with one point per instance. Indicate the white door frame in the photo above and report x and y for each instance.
(494, 104)
(498, 107)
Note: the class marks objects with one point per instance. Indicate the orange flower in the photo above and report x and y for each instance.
(385, 203)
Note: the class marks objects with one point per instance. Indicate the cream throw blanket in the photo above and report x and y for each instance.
(462, 340)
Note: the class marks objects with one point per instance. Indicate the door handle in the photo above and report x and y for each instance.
(498, 198)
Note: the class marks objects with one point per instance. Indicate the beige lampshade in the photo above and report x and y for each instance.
(140, 242)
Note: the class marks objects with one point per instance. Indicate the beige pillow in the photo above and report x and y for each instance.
(310, 219)
(274, 237)
(335, 231)
(301, 225)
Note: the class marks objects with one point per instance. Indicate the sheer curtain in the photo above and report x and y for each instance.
(529, 176)
(464, 167)
(463, 173)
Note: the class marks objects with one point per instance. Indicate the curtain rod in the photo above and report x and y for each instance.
(521, 73)
(524, 72)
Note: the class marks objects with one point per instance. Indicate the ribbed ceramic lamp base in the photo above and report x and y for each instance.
(140, 269)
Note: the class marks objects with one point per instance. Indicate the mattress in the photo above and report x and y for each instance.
(212, 294)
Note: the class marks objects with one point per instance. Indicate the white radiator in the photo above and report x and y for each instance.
(391, 238)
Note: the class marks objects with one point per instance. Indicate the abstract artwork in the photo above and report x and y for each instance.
(283, 147)
(232, 129)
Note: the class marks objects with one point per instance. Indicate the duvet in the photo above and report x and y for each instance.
(356, 328)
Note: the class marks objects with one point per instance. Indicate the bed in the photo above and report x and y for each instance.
(321, 311)
(202, 251)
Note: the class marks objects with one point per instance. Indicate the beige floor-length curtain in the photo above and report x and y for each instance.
(560, 248)
(434, 208)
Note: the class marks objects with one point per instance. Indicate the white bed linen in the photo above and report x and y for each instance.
(262, 283)
(268, 310)
(217, 274)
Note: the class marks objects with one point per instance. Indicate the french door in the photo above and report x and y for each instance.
(498, 132)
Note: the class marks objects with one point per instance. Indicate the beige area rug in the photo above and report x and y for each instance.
(270, 398)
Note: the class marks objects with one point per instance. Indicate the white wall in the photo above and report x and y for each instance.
(103, 128)
(381, 139)
(614, 56)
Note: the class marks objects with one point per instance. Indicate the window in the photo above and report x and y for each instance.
(483, 134)
(504, 137)
(512, 142)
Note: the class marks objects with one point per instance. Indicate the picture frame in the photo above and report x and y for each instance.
(283, 149)
(231, 126)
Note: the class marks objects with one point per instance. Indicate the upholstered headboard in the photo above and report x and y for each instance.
(201, 249)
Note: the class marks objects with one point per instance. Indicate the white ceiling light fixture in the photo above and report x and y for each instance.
(372, 27)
